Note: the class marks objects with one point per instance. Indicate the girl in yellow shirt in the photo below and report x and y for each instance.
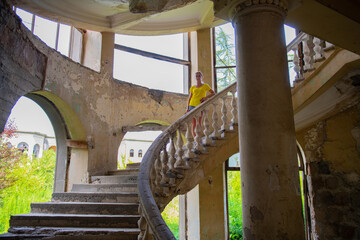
(198, 95)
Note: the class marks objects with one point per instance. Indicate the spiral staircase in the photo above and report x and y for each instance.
(127, 204)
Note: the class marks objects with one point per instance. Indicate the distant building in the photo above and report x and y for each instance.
(32, 142)
(134, 145)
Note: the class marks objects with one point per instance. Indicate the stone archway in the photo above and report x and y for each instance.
(66, 127)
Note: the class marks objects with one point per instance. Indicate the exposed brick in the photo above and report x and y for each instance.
(334, 215)
(323, 167)
(331, 182)
(347, 232)
(355, 199)
(341, 198)
(317, 183)
(324, 199)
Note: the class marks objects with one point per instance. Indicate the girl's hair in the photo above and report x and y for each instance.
(200, 73)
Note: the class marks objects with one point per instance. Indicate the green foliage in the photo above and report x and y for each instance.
(234, 204)
(171, 216)
(123, 161)
(32, 181)
(225, 56)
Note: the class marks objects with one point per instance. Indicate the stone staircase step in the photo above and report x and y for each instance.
(109, 197)
(128, 171)
(85, 208)
(115, 179)
(74, 220)
(71, 233)
(106, 187)
(133, 165)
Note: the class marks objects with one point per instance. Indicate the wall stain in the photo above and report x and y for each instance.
(256, 214)
(157, 95)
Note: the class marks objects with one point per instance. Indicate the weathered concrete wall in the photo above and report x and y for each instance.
(19, 60)
(332, 153)
(102, 104)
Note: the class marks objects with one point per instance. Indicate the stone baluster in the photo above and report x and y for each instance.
(165, 168)
(180, 162)
(152, 179)
(172, 172)
(309, 53)
(234, 119)
(319, 49)
(215, 134)
(297, 67)
(158, 175)
(198, 147)
(190, 142)
(142, 225)
(224, 126)
(206, 124)
(329, 46)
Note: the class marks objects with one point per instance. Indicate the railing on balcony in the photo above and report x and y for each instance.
(172, 157)
(306, 50)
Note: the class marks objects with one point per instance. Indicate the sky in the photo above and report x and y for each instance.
(29, 116)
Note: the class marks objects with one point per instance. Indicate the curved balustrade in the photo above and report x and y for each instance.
(307, 50)
(173, 158)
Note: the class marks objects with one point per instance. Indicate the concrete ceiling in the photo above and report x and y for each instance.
(114, 16)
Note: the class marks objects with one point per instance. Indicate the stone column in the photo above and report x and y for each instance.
(269, 173)
(107, 53)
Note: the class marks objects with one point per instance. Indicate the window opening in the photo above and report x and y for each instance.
(140, 153)
(36, 150)
(23, 146)
(233, 197)
(161, 62)
(65, 39)
(225, 57)
(131, 153)
(305, 198)
(224, 52)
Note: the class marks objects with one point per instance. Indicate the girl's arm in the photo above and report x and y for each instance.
(212, 93)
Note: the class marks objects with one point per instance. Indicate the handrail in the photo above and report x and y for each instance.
(149, 208)
(294, 43)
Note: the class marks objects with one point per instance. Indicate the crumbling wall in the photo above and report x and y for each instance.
(102, 104)
(22, 65)
(332, 154)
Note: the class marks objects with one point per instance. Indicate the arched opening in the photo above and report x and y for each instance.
(29, 168)
(137, 140)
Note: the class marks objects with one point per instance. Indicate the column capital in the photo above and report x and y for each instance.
(244, 7)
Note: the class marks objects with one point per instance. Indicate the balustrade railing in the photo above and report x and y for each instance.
(173, 156)
(176, 153)
(306, 50)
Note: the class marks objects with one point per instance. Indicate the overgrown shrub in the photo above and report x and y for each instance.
(32, 180)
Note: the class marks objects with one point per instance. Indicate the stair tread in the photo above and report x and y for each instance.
(105, 184)
(86, 203)
(96, 193)
(82, 229)
(53, 215)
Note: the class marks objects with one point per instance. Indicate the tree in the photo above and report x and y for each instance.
(225, 57)
(9, 155)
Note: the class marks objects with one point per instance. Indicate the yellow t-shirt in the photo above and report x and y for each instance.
(198, 94)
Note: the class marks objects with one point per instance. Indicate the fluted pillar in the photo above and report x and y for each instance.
(269, 173)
